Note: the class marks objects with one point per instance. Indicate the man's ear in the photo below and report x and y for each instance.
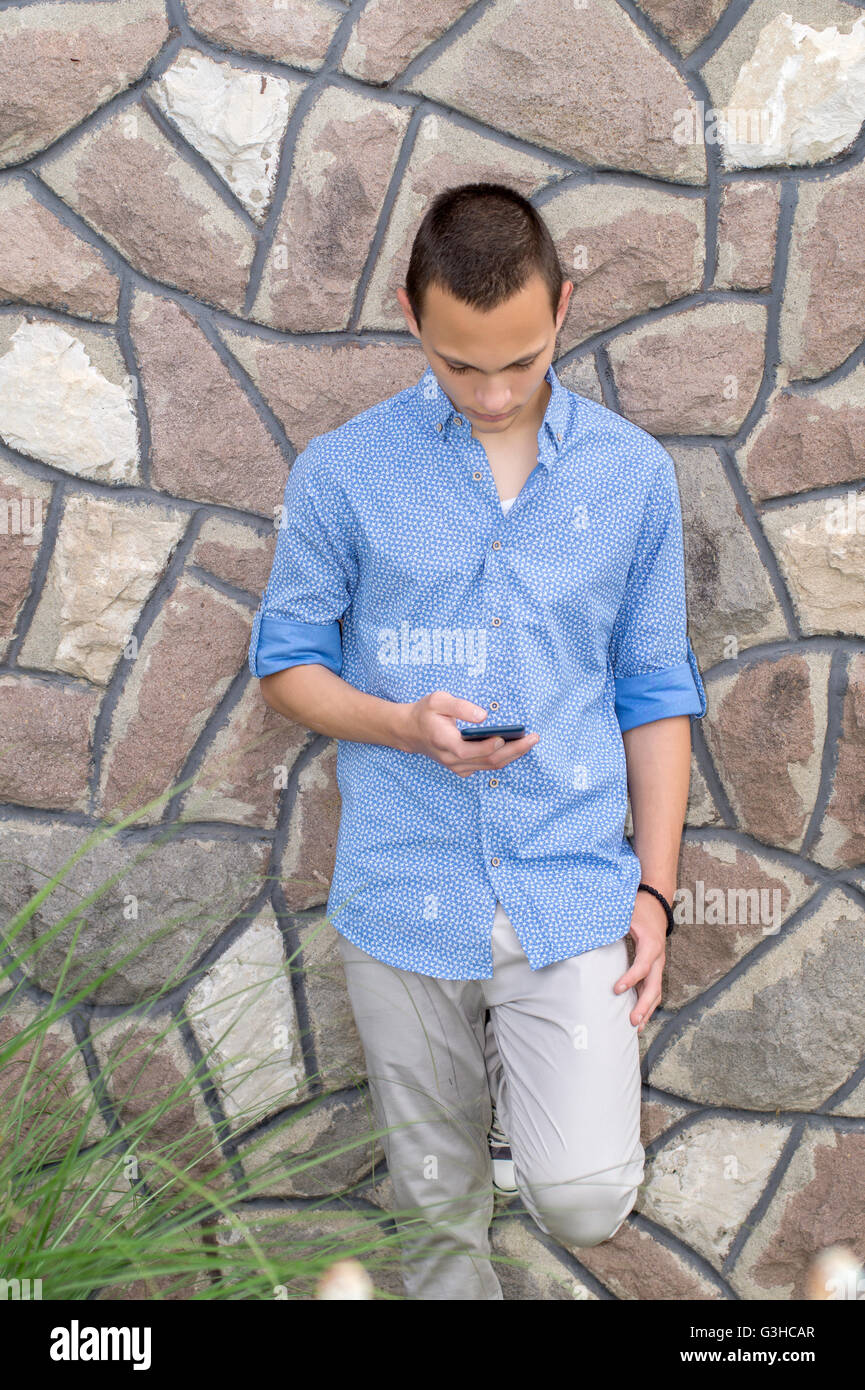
(564, 301)
(408, 315)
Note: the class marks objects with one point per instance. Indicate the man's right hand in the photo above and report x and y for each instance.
(429, 726)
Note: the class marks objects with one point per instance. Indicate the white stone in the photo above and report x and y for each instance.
(57, 406)
(800, 98)
(242, 1013)
(236, 120)
(702, 1185)
(820, 547)
(107, 558)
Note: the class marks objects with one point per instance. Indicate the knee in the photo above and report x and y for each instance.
(580, 1214)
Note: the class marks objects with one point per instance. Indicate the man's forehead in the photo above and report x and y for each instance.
(493, 357)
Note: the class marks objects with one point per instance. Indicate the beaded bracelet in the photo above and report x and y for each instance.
(663, 901)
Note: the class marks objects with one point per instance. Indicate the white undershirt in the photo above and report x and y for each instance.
(500, 912)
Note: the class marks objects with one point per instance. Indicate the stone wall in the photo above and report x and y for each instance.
(204, 212)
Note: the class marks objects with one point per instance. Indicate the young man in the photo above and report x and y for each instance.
(489, 546)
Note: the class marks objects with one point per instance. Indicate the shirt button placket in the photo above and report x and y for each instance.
(479, 476)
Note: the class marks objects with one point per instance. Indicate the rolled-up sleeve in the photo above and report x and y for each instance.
(312, 577)
(654, 666)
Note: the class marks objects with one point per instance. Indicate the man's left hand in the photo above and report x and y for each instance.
(649, 930)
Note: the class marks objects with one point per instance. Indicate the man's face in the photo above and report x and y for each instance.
(490, 364)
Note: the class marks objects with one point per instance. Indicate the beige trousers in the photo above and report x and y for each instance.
(560, 1058)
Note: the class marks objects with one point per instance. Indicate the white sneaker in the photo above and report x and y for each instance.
(504, 1179)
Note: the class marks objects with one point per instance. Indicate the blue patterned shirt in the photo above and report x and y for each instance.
(397, 567)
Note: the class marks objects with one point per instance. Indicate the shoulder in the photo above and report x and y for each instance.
(626, 446)
(348, 449)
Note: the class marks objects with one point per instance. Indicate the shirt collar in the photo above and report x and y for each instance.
(438, 411)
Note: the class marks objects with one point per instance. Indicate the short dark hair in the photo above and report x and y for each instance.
(481, 242)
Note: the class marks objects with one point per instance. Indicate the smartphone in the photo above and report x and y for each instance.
(505, 731)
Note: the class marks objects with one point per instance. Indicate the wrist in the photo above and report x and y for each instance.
(664, 904)
(400, 727)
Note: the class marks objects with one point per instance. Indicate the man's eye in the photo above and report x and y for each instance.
(518, 367)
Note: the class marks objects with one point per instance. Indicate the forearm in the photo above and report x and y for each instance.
(658, 758)
(319, 699)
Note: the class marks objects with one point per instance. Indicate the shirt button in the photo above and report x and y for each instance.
(494, 781)
(497, 545)
(496, 622)
(559, 437)
(477, 477)
(495, 861)
(439, 426)
(494, 704)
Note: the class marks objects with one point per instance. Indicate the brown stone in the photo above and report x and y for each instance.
(207, 440)
(747, 226)
(765, 732)
(701, 809)
(581, 375)
(155, 1092)
(153, 907)
(296, 31)
(235, 553)
(170, 1287)
(45, 1094)
(627, 250)
(727, 901)
(307, 863)
(314, 389)
(842, 831)
(684, 22)
(657, 1116)
(345, 156)
(443, 155)
(388, 34)
(246, 766)
(127, 180)
(60, 62)
(44, 262)
(635, 1265)
(333, 1035)
(527, 1269)
(731, 602)
(303, 1240)
(24, 502)
(696, 372)
(47, 742)
(552, 74)
(787, 1031)
(808, 441)
(175, 685)
(324, 1147)
(824, 300)
(818, 1204)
